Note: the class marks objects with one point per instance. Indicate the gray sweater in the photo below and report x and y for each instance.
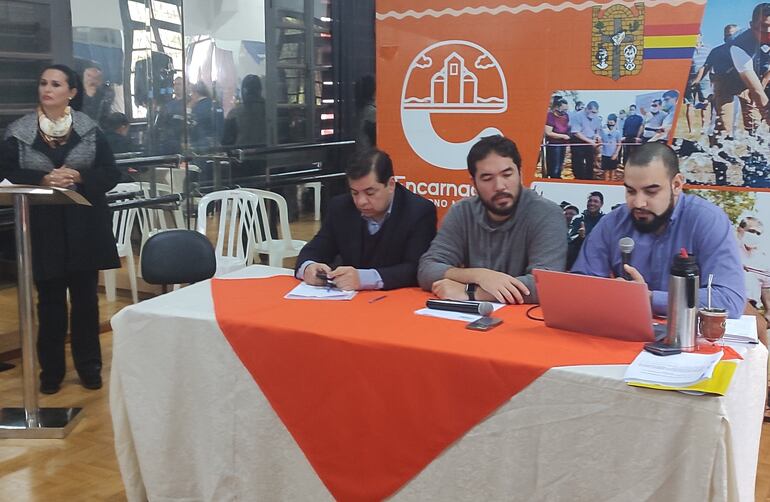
(534, 237)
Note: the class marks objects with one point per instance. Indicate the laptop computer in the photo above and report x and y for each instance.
(595, 305)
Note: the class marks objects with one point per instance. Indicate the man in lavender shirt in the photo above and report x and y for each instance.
(662, 220)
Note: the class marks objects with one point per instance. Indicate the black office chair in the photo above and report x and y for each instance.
(177, 257)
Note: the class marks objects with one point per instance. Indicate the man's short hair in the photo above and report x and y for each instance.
(612, 117)
(760, 11)
(559, 101)
(648, 152)
(570, 206)
(596, 194)
(368, 161)
(498, 144)
(593, 104)
(578, 103)
(671, 94)
(657, 102)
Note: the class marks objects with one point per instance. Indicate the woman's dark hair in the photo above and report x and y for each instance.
(251, 88)
(73, 81)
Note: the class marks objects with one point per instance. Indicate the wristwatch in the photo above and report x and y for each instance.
(470, 290)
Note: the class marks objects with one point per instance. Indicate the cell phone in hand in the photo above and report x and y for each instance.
(661, 349)
(484, 323)
(320, 274)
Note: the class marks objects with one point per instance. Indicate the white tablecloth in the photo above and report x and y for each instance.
(192, 425)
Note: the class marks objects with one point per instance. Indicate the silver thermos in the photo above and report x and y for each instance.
(683, 284)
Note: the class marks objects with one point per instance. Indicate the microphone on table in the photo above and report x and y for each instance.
(626, 246)
(480, 308)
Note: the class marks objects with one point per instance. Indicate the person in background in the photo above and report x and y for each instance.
(653, 121)
(98, 97)
(373, 237)
(581, 226)
(632, 132)
(662, 220)
(570, 211)
(668, 105)
(204, 116)
(737, 72)
(245, 124)
(557, 136)
(586, 128)
(367, 113)
(611, 140)
(755, 262)
(59, 146)
(116, 132)
(171, 120)
(621, 120)
(489, 244)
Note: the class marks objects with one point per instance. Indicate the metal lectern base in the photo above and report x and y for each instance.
(55, 423)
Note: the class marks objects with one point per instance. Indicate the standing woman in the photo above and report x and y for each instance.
(58, 146)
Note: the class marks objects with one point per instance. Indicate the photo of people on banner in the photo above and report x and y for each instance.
(588, 134)
(584, 205)
(722, 134)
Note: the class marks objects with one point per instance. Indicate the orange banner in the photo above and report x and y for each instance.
(451, 72)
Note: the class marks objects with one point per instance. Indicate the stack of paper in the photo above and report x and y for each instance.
(682, 369)
(687, 371)
(305, 291)
(743, 330)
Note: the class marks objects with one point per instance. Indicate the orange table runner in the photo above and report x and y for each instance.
(371, 392)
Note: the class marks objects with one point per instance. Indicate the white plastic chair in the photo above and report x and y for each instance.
(276, 248)
(122, 225)
(316, 187)
(236, 223)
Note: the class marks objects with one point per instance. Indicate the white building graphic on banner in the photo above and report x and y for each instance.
(456, 84)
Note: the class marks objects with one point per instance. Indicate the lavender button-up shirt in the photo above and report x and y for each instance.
(697, 225)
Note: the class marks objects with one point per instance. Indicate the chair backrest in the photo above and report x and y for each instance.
(178, 257)
(262, 232)
(122, 226)
(235, 232)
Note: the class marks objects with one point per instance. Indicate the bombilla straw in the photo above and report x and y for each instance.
(711, 278)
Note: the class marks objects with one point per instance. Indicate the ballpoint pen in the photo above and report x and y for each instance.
(378, 298)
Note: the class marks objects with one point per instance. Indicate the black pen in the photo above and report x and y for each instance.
(378, 298)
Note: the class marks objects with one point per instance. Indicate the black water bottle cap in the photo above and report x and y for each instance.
(684, 265)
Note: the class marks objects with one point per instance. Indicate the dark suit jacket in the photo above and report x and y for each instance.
(410, 229)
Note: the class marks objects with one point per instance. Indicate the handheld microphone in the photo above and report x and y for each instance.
(626, 246)
(481, 308)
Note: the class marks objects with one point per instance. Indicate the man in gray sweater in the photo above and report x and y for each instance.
(488, 244)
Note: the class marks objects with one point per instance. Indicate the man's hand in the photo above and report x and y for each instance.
(345, 278)
(582, 231)
(447, 289)
(505, 288)
(634, 274)
(310, 274)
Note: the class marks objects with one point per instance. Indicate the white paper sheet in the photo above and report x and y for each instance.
(305, 291)
(679, 370)
(742, 330)
(456, 316)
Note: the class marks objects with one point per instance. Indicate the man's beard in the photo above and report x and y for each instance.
(647, 227)
(500, 211)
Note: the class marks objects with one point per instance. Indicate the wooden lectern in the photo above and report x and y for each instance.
(32, 421)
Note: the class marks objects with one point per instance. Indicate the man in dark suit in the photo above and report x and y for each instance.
(375, 235)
